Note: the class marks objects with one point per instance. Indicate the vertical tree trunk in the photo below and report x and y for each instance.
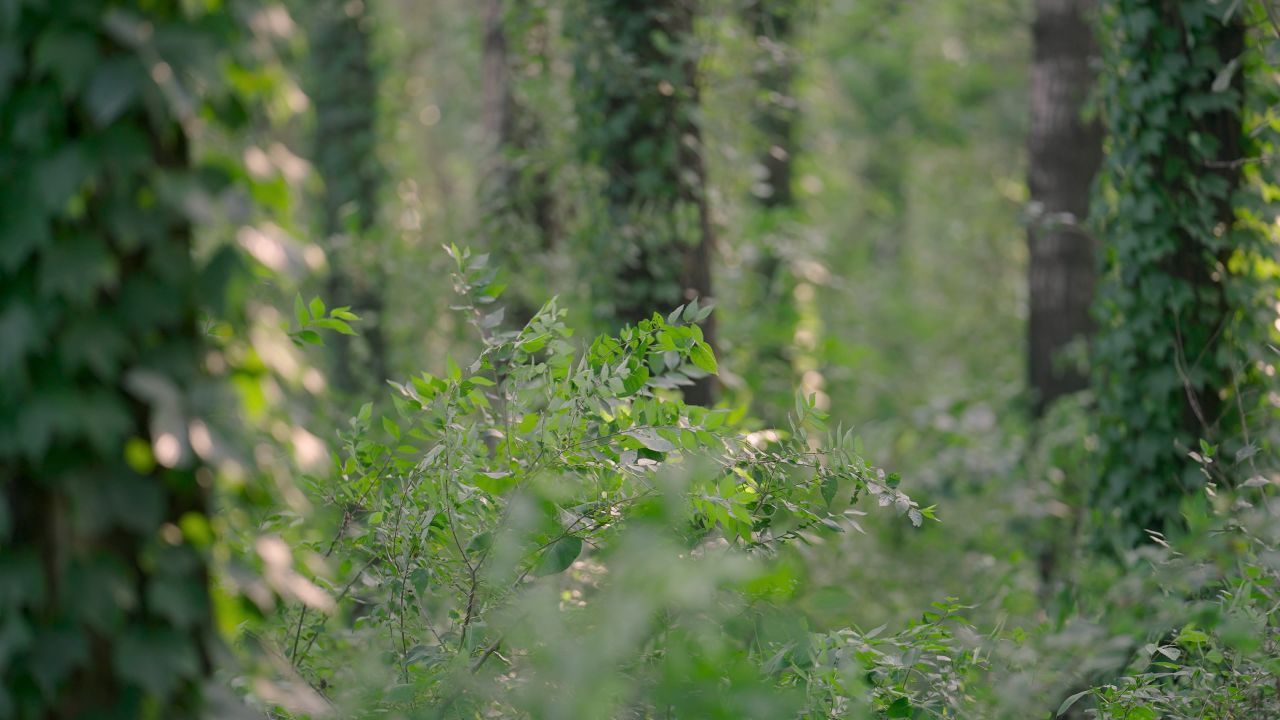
(1177, 318)
(103, 592)
(772, 23)
(345, 92)
(774, 117)
(637, 100)
(518, 202)
(1065, 151)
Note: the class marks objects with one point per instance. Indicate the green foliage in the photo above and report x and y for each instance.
(313, 319)
(105, 608)
(1178, 308)
(577, 488)
(1217, 657)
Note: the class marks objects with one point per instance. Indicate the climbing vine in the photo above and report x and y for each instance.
(1178, 306)
(103, 517)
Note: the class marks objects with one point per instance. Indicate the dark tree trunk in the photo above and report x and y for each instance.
(771, 23)
(771, 374)
(1065, 151)
(637, 100)
(345, 91)
(518, 201)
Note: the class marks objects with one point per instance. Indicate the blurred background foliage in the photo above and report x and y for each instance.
(683, 519)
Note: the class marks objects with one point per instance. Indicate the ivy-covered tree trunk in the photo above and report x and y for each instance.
(344, 88)
(1173, 311)
(1065, 151)
(775, 118)
(637, 100)
(518, 203)
(104, 603)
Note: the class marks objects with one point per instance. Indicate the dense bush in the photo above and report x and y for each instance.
(549, 533)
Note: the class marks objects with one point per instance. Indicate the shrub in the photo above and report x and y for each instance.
(544, 532)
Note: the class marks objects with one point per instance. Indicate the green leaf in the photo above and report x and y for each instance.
(494, 483)
(703, 358)
(480, 543)
(156, 659)
(1066, 704)
(651, 439)
(635, 381)
(300, 311)
(334, 325)
(690, 311)
(559, 556)
(391, 427)
(900, 708)
(311, 337)
(316, 307)
(113, 87)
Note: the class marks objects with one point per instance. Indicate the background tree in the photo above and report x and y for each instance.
(637, 104)
(518, 202)
(1064, 151)
(775, 119)
(103, 512)
(1174, 311)
(344, 90)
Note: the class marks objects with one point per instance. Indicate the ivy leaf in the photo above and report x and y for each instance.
(111, 90)
(559, 556)
(156, 659)
(1223, 79)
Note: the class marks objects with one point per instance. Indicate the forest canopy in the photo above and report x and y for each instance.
(563, 359)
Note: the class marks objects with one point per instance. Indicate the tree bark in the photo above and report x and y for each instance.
(1065, 151)
(345, 92)
(771, 372)
(517, 195)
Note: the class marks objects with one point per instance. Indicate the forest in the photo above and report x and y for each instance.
(639, 360)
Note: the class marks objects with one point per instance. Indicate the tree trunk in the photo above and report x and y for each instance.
(517, 195)
(1065, 151)
(1178, 316)
(637, 96)
(771, 372)
(345, 92)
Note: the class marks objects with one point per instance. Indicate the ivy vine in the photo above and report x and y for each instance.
(1177, 306)
(104, 528)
